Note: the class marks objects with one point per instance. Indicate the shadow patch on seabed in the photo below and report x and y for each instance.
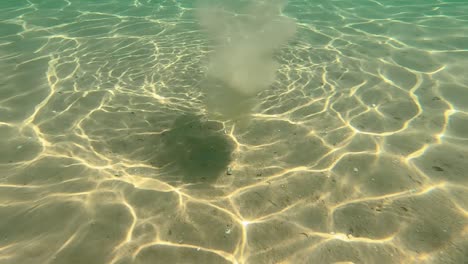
(198, 150)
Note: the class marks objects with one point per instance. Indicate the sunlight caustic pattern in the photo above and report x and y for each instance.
(355, 154)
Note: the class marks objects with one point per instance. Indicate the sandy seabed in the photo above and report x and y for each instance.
(356, 154)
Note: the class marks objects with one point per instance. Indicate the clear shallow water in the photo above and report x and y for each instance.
(355, 154)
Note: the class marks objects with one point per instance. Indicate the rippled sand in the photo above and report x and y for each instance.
(357, 154)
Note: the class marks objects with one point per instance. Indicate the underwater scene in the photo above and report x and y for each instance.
(233, 131)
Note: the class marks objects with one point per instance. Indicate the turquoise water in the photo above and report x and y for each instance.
(233, 132)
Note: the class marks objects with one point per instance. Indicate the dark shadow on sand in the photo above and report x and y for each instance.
(198, 150)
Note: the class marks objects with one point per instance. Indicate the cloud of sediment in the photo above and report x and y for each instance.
(246, 35)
